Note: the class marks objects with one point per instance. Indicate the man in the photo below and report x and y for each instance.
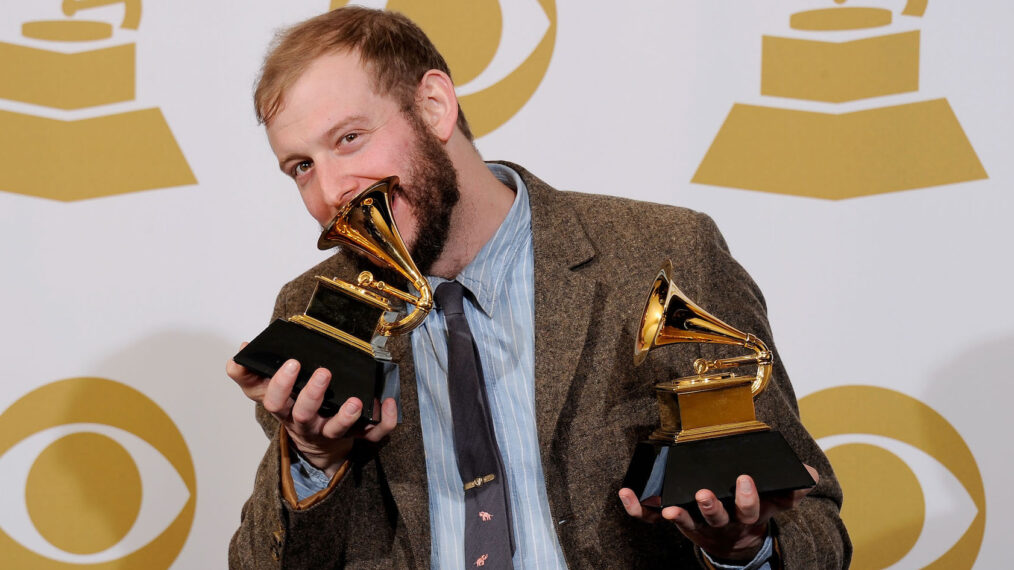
(554, 286)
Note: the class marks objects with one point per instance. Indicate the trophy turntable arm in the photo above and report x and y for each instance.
(762, 359)
(422, 304)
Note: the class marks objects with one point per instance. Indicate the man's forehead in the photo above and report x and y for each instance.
(327, 79)
(338, 73)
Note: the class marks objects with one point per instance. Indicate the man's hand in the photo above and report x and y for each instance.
(324, 442)
(736, 536)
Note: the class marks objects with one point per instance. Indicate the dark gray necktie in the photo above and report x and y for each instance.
(489, 540)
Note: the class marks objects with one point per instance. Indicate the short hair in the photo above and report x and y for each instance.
(392, 49)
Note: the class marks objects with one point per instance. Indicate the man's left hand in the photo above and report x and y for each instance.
(736, 536)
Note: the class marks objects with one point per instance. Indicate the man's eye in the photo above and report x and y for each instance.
(301, 168)
(349, 138)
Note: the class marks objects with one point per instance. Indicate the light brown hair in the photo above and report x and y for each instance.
(390, 46)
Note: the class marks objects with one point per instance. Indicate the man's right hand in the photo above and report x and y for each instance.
(324, 442)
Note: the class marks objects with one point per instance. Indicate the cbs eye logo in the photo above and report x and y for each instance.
(914, 496)
(97, 474)
(498, 50)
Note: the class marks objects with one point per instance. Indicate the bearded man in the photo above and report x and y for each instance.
(356, 95)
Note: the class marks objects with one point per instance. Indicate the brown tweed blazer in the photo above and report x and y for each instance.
(595, 257)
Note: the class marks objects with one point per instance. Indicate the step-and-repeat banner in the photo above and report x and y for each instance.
(855, 154)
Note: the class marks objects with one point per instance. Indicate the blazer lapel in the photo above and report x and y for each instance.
(562, 303)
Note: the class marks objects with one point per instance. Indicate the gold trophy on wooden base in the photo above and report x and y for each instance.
(709, 432)
(346, 325)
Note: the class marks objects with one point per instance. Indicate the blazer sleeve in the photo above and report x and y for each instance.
(812, 535)
(273, 533)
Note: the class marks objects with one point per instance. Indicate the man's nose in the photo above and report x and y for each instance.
(337, 188)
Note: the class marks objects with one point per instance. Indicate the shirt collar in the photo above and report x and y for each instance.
(486, 276)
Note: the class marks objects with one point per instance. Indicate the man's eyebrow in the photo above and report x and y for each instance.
(342, 125)
(328, 135)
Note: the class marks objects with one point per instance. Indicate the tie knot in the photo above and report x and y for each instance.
(449, 297)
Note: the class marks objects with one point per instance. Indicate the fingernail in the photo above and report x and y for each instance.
(320, 379)
(743, 485)
(352, 408)
(626, 500)
(291, 365)
(706, 503)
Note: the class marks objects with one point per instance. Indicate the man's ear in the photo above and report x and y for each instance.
(437, 104)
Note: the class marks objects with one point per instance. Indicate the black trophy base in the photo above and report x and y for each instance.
(676, 472)
(353, 372)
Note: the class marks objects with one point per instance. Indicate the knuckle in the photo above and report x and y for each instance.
(340, 430)
(302, 415)
(253, 394)
(286, 372)
(274, 402)
(333, 432)
(343, 424)
(748, 517)
(311, 393)
(238, 375)
(374, 436)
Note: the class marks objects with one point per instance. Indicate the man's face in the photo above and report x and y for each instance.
(335, 137)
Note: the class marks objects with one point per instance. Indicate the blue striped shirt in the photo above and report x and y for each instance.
(501, 315)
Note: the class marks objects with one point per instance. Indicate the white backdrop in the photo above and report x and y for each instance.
(155, 289)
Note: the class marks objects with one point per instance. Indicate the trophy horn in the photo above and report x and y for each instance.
(366, 225)
(670, 317)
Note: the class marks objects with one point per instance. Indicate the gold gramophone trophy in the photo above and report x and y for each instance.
(346, 325)
(709, 433)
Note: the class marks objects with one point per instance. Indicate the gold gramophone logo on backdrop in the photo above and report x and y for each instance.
(498, 50)
(102, 155)
(841, 155)
(95, 474)
(914, 496)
